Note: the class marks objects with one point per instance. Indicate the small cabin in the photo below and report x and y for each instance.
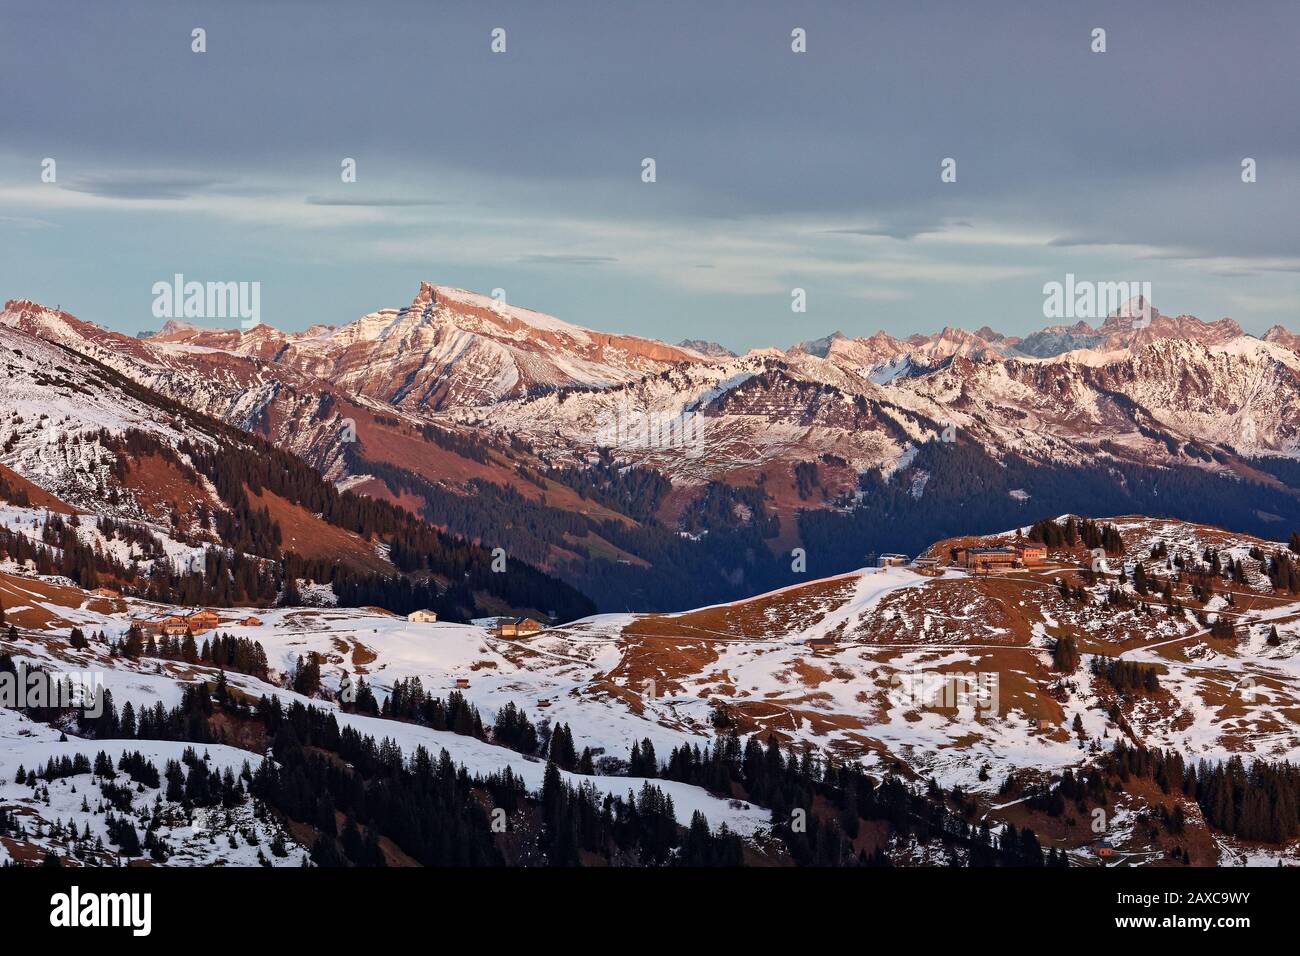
(105, 593)
(518, 627)
(822, 644)
(462, 683)
(251, 621)
(891, 560)
(422, 617)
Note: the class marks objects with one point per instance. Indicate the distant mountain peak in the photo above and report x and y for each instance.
(706, 347)
(820, 347)
(1281, 335)
(1136, 307)
(173, 327)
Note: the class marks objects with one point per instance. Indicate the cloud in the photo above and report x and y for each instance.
(24, 222)
(1068, 242)
(1231, 267)
(566, 260)
(902, 228)
(372, 201)
(1131, 247)
(142, 185)
(274, 207)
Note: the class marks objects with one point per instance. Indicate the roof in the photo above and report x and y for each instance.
(1002, 550)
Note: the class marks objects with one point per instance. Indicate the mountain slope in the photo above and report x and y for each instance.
(933, 675)
(173, 503)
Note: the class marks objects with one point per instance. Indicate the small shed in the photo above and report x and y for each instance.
(422, 617)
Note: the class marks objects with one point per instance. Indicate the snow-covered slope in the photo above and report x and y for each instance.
(51, 812)
(945, 674)
(56, 409)
(827, 662)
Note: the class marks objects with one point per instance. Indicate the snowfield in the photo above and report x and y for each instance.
(202, 838)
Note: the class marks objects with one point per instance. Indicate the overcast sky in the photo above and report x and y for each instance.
(522, 170)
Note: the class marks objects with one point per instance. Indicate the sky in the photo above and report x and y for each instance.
(522, 170)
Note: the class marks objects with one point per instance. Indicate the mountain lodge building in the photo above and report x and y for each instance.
(517, 627)
(999, 558)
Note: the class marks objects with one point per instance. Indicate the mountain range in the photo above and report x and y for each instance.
(653, 475)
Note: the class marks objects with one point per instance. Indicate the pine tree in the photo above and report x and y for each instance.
(1065, 655)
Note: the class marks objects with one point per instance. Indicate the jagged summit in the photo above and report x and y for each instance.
(706, 348)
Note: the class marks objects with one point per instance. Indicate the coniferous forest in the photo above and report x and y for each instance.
(364, 799)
